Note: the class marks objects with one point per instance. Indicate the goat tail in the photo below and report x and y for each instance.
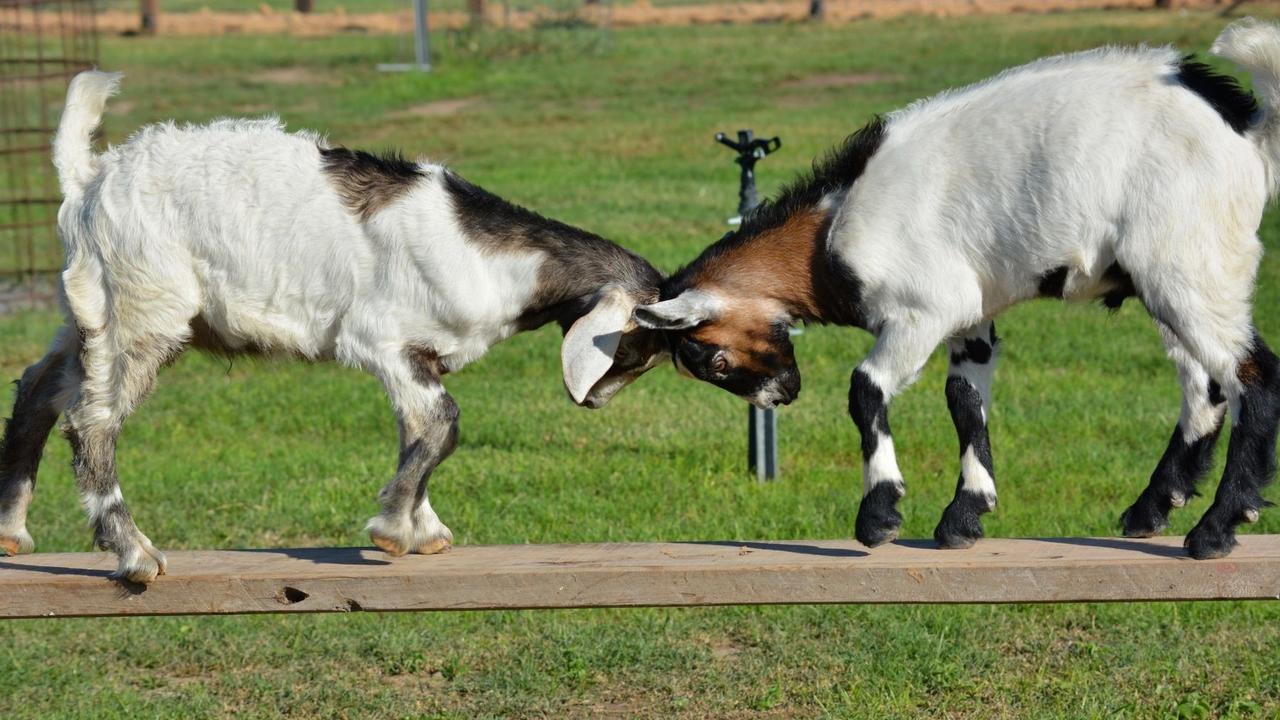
(1255, 47)
(73, 143)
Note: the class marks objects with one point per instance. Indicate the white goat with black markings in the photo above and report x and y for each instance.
(1101, 174)
(239, 237)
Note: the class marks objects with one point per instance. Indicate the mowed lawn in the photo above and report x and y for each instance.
(614, 132)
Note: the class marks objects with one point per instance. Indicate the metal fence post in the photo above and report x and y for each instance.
(762, 425)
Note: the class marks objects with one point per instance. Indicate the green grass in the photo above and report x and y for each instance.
(613, 132)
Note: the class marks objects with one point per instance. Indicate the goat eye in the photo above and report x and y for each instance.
(719, 363)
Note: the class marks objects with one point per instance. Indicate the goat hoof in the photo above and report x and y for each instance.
(388, 545)
(432, 547)
(1204, 543)
(17, 543)
(961, 523)
(142, 566)
(1142, 520)
(878, 519)
(423, 534)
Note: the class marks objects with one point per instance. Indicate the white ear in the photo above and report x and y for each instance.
(689, 309)
(588, 348)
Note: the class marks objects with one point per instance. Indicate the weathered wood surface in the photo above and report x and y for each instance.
(637, 574)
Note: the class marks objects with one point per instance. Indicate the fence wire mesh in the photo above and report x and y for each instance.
(43, 43)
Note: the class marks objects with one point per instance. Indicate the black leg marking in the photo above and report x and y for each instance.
(961, 523)
(1251, 457)
(36, 408)
(868, 410)
(1172, 484)
(878, 519)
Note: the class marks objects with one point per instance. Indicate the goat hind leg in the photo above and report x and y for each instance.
(38, 401)
(973, 357)
(112, 384)
(1190, 451)
(1251, 454)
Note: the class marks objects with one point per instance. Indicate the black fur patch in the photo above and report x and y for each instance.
(1053, 283)
(1121, 286)
(368, 182)
(976, 350)
(1215, 393)
(1224, 94)
(836, 288)
(836, 171)
(965, 404)
(578, 262)
(868, 410)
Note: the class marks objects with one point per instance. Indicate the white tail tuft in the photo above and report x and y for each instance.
(1255, 46)
(73, 143)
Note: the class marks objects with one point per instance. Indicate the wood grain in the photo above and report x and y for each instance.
(641, 574)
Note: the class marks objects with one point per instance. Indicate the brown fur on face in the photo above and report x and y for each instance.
(747, 333)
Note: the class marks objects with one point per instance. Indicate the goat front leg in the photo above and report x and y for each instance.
(1190, 452)
(973, 358)
(428, 434)
(893, 364)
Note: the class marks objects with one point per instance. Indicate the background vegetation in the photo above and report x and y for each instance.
(613, 131)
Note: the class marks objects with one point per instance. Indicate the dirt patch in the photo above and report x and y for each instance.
(837, 80)
(725, 650)
(206, 22)
(292, 75)
(439, 108)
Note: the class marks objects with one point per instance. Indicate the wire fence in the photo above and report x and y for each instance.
(43, 43)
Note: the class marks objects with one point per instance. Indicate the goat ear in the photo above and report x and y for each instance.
(689, 309)
(588, 347)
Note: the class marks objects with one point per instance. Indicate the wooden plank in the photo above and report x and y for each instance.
(641, 574)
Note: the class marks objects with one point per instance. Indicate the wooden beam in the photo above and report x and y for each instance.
(639, 574)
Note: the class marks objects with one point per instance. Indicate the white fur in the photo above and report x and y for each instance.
(882, 466)
(976, 478)
(238, 224)
(236, 221)
(1077, 161)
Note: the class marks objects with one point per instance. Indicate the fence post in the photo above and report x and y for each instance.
(150, 12)
(762, 425)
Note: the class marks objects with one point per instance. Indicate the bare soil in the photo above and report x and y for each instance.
(269, 22)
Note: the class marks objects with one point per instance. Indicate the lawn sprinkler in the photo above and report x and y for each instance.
(762, 425)
(750, 150)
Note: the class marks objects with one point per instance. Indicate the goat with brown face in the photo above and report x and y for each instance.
(923, 226)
